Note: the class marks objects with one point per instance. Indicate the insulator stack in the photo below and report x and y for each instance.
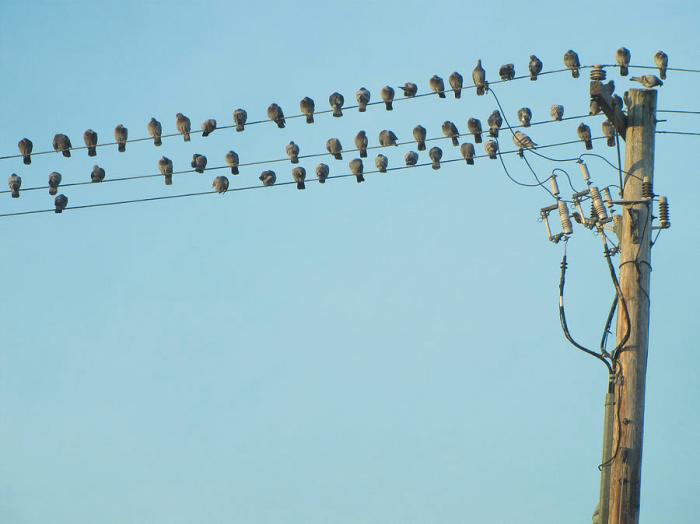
(607, 198)
(647, 188)
(554, 186)
(598, 205)
(664, 217)
(598, 73)
(565, 218)
(585, 173)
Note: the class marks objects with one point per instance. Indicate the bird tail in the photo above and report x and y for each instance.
(66, 153)
(455, 141)
(389, 106)
(199, 170)
(27, 160)
(493, 156)
(494, 132)
(186, 136)
(240, 127)
(575, 73)
(663, 74)
(363, 153)
(321, 180)
(15, 193)
(441, 94)
(205, 133)
(436, 164)
(470, 161)
(338, 156)
(310, 119)
(280, 123)
(382, 169)
(589, 144)
(635, 79)
(480, 90)
(337, 112)
(362, 108)
(53, 191)
(611, 141)
(92, 151)
(624, 70)
(122, 148)
(360, 178)
(421, 146)
(157, 141)
(533, 76)
(458, 93)
(301, 185)
(168, 180)
(58, 210)
(477, 138)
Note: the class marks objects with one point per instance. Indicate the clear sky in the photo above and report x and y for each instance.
(386, 352)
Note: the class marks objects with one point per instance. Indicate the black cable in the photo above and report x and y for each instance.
(678, 111)
(687, 133)
(608, 324)
(571, 185)
(619, 164)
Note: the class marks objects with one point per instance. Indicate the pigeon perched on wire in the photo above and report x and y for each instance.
(594, 107)
(623, 57)
(54, 182)
(387, 94)
(357, 168)
(419, 134)
(299, 175)
(240, 117)
(293, 152)
(557, 112)
(14, 182)
(571, 62)
(467, 151)
(199, 163)
(382, 163)
(449, 129)
(435, 155)
(166, 169)
(307, 107)
(491, 148)
(336, 100)
(507, 72)
(409, 89)
(90, 139)
(268, 177)
(522, 141)
(474, 125)
(411, 158)
(121, 134)
(479, 77)
(535, 67)
(220, 184)
(25, 149)
(275, 113)
(456, 82)
(648, 81)
(60, 203)
(335, 148)
(361, 143)
(183, 126)
(584, 134)
(97, 174)
(437, 85)
(387, 138)
(155, 130)
(495, 121)
(609, 132)
(525, 116)
(208, 127)
(232, 162)
(62, 143)
(661, 61)
(322, 171)
(362, 96)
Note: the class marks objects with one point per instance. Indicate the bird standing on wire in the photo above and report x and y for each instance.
(437, 85)
(54, 182)
(449, 129)
(491, 148)
(456, 82)
(155, 130)
(535, 67)
(474, 125)
(525, 116)
(387, 138)
(232, 162)
(361, 143)
(208, 127)
(307, 107)
(382, 163)
(357, 169)
(419, 134)
(495, 121)
(557, 112)
(435, 155)
(661, 61)
(25, 149)
(467, 151)
(322, 171)
(97, 174)
(62, 143)
(220, 184)
(335, 148)
(121, 134)
(336, 100)
(584, 134)
(522, 141)
(240, 117)
(479, 77)
(507, 72)
(14, 182)
(571, 62)
(166, 169)
(275, 113)
(609, 132)
(90, 139)
(409, 89)
(648, 81)
(411, 158)
(362, 96)
(387, 94)
(299, 175)
(623, 57)
(293, 152)
(60, 203)
(183, 126)
(199, 163)
(268, 178)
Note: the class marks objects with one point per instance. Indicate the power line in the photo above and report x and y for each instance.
(677, 133)
(678, 111)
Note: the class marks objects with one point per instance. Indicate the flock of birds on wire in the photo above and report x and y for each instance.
(62, 143)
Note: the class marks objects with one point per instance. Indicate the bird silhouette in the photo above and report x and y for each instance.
(479, 77)
(357, 168)
(97, 174)
(525, 116)
(411, 158)
(90, 139)
(166, 169)
(449, 129)
(268, 177)
(62, 143)
(299, 175)
(419, 134)
(121, 134)
(275, 113)
(240, 117)
(361, 143)
(293, 152)
(535, 67)
(623, 57)
(437, 85)
(61, 203)
(557, 112)
(232, 161)
(467, 151)
(571, 62)
(336, 100)
(155, 130)
(456, 81)
(199, 163)
(14, 182)
(335, 148)
(54, 182)
(435, 155)
(183, 126)
(382, 163)
(387, 138)
(387, 94)
(474, 125)
(495, 121)
(409, 89)
(491, 148)
(584, 134)
(661, 61)
(609, 132)
(220, 184)
(307, 107)
(362, 96)
(507, 72)
(648, 81)
(25, 149)
(322, 171)
(208, 127)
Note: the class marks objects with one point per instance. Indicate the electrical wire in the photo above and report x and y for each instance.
(688, 133)
(678, 111)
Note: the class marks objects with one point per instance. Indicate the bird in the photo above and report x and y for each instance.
(155, 130)
(334, 148)
(474, 125)
(648, 81)
(54, 182)
(409, 89)
(571, 62)
(382, 163)
(627, 100)
(535, 67)
(97, 174)
(199, 163)
(60, 202)
(62, 143)
(617, 101)
(362, 96)
(322, 171)
(507, 72)
(479, 77)
(268, 178)
(491, 148)
(525, 116)
(387, 138)
(495, 121)
(435, 155)
(299, 175)
(456, 81)
(623, 57)
(387, 93)
(437, 85)
(336, 100)
(357, 168)
(14, 182)
(208, 127)
(361, 143)
(166, 169)
(121, 134)
(411, 158)
(584, 134)
(183, 126)
(609, 132)
(220, 184)
(275, 113)
(594, 107)
(232, 162)
(90, 139)
(25, 149)
(240, 117)
(522, 141)
(293, 152)
(661, 61)
(449, 129)
(467, 151)
(307, 107)
(557, 112)
(419, 134)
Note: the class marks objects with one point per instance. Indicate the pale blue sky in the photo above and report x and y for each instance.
(386, 352)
